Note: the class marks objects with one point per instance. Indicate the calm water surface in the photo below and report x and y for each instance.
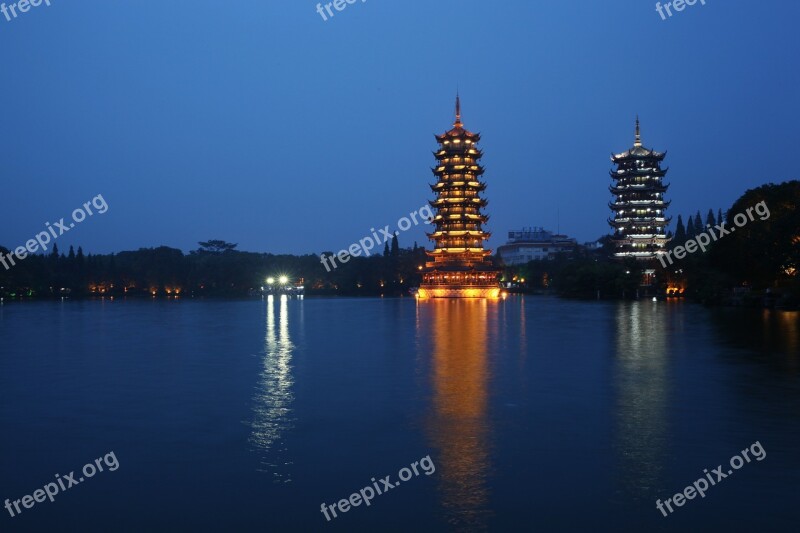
(538, 414)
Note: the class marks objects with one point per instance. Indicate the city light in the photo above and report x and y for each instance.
(283, 284)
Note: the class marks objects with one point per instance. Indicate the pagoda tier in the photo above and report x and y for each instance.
(458, 265)
(453, 170)
(453, 185)
(639, 207)
(653, 171)
(450, 198)
(636, 192)
(637, 225)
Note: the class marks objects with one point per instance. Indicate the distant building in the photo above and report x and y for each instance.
(529, 244)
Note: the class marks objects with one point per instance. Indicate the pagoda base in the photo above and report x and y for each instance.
(458, 291)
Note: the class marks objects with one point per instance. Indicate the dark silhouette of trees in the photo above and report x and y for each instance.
(216, 268)
(710, 220)
(690, 230)
(764, 252)
(762, 255)
(216, 247)
(680, 233)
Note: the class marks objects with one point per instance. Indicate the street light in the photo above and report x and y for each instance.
(283, 280)
(270, 280)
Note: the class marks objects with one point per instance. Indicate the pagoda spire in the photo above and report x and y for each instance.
(638, 139)
(458, 110)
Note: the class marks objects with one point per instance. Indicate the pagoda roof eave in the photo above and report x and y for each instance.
(458, 133)
(638, 152)
(632, 173)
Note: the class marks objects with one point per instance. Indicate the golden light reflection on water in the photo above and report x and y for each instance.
(273, 399)
(459, 425)
(790, 322)
(781, 333)
(642, 386)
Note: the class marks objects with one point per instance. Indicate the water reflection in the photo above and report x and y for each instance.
(642, 390)
(273, 399)
(772, 334)
(459, 424)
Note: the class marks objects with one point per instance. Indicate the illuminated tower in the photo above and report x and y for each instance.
(639, 220)
(459, 266)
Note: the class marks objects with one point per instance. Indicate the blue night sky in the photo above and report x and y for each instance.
(259, 123)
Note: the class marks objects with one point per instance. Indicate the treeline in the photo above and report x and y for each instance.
(754, 265)
(694, 226)
(215, 269)
(580, 273)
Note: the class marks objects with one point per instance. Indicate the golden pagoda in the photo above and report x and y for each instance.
(459, 266)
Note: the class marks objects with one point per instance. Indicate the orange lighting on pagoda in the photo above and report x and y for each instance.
(459, 266)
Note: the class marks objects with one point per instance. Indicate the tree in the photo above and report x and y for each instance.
(720, 218)
(690, 231)
(766, 250)
(680, 232)
(698, 223)
(216, 247)
(395, 246)
(710, 218)
(112, 270)
(386, 250)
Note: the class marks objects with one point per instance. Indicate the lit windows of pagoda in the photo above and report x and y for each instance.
(459, 266)
(639, 207)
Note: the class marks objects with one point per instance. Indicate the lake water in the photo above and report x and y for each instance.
(538, 414)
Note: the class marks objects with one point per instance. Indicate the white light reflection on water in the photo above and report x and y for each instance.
(273, 415)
